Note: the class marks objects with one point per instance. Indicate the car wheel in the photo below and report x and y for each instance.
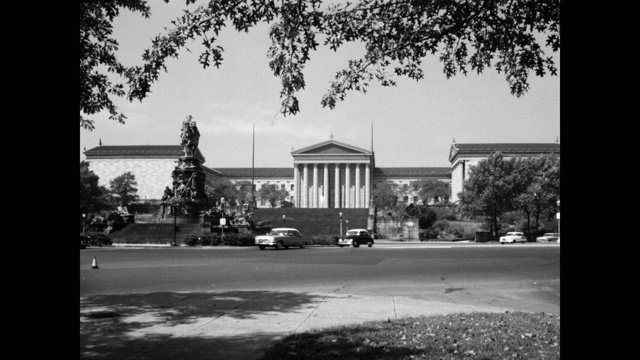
(286, 247)
(341, 245)
(279, 245)
(356, 244)
(261, 247)
(370, 244)
(302, 246)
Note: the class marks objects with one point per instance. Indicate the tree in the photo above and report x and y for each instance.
(93, 197)
(489, 189)
(97, 54)
(222, 188)
(272, 194)
(432, 189)
(125, 186)
(384, 194)
(509, 35)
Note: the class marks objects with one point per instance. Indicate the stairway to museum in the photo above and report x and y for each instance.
(159, 233)
(313, 221)
(309, 222)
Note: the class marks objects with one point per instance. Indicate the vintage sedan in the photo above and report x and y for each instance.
(513, 237)
(548, 237)
(282, 238)
(356, 237)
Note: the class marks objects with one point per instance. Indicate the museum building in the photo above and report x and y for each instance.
(330, 174)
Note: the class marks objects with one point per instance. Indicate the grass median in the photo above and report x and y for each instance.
(510, 335)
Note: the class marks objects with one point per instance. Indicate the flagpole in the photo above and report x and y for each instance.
(253, 151)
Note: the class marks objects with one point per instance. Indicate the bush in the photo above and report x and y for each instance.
(324, 240)
(441, 225)
(230, 239)
(431, 234)
(99, 239)
(456, 230)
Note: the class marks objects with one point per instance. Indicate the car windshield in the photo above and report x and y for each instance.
(352, 232)
(514, 233)
(277, 232)
(549, 234)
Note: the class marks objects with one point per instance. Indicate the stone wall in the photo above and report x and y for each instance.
(392, 227)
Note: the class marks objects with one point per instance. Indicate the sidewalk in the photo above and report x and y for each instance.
(229, 325)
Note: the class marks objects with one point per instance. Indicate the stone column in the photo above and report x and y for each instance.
(305, 186)
(296, 185)
(357, 204)
(367, 185)
(337, 187)
(347, 186)
(314, 203)
(325, 186)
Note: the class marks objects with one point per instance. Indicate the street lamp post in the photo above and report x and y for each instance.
(558, 216)
(83, 222)
(340, 223)
(347, 221)
(284, 220)
(222, 205)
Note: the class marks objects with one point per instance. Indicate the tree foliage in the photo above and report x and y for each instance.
(272, 194)
(97, 55)
(125, 186)
(384, 194)
(489, 189)
(497, 185)
(432, 189)
(397, 34)
(93, 197)
(222, 188)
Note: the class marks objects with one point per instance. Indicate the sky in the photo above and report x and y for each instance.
(414, 123)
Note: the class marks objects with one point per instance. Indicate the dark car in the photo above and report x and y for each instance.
(356, 237)
(84, 241)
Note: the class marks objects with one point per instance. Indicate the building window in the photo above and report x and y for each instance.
(282, 186)
(415, 199)
(405, 199)
(405, 187)
(291, 187)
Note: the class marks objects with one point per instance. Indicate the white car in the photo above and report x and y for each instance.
(548, 237)
(282, 238)
(513, 237)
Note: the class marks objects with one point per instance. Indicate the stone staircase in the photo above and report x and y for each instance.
(313, 221)
(142, 233)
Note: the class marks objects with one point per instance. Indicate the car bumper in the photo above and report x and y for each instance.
(345, 242)
(265, 242)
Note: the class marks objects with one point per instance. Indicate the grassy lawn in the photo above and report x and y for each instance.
(481, 336)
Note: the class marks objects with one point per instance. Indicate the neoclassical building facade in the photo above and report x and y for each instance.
(330, 174)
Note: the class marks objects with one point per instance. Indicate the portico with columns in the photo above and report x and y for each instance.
(332, 174)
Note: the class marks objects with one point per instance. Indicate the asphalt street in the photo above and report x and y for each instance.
(156, 303)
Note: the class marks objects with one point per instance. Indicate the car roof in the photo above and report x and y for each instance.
(359, 230)
(283, 229)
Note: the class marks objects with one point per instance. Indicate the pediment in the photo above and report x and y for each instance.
(331, 147)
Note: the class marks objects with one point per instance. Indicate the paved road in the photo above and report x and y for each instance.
(519, 276)
(232, 303)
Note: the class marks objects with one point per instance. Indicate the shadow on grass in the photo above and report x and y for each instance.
(339, 343)
(190, 325)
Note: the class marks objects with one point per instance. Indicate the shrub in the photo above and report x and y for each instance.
(431, 234)
(324, 240)
(441, 225)
(98, 238)
(456, 230)
(191, 240)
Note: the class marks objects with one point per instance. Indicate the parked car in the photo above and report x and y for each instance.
(282, 238)
(548, 237)
(356, 237)
(84, 241)
(513, 237)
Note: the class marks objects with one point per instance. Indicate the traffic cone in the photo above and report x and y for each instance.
(94, 265)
